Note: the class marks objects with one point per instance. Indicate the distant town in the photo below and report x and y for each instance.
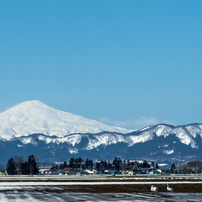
(18, 166)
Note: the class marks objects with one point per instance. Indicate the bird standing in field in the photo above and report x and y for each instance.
(153, 188)
(169, 188)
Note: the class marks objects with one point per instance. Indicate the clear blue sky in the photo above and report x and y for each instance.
(127, 63)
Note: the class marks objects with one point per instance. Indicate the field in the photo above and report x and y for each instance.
(100, 188)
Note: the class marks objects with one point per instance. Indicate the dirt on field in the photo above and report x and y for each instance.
(191, 188)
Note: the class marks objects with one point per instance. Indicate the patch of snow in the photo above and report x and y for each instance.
(145, 128)
(145, 136)
(73, 151)
(168, 151)
(7, 133)
(184, 138)
(162, 164)
(20, 145)
(194, 130)
(28, 140)
(105, 139)
(160, 129)
(71, 139)
(166, 145)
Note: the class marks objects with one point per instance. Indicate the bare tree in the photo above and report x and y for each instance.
(184, 169)
(195, 166)
(17, 161)
(134, 166)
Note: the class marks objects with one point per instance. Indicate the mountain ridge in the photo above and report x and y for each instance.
(147, 144)
(48, 138)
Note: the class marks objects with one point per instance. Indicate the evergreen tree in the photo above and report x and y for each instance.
(124, 164)
(97, 165)
(105, 165)
(90, 162)
(24, 169)
(128, 165)
(101, 164)
(11, 169)
(71, 162)
(56, 166)
(65, 164)
(87, 164)
(157, 166)
(117, 163)
(173, 166)
(80, 160)
(145, 164)
(32, 165)
(152, 164)
(109, 166)
(61, 166)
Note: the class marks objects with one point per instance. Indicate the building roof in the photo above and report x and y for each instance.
(98, 169)
(45, 167)
(111, 171)
(67, 169)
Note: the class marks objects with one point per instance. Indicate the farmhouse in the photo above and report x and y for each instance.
(43, 169)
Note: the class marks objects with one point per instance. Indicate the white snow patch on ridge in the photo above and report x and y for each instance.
(73, 151)
(145, 136)
(168, 151)
(105, 139)
(28, 140)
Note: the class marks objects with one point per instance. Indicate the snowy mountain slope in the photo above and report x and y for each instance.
(35, 128)
(35, 117)
(159, 142)
(185, 134)
(182, 133)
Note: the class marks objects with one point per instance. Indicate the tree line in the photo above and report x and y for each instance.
(119, 164)
(116, 164)
(18, 166)
(77, 163)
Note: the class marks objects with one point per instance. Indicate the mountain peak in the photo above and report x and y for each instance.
(30, 103)
(33, 116)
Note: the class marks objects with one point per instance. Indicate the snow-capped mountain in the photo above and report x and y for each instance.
(52, 135)
(158, 143)
(35, 117)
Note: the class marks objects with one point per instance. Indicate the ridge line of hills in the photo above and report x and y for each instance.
(35, 128)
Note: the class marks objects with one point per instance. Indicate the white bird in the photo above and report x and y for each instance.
(168, 188)
(153, 188)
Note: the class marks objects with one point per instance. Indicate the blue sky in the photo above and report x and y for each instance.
(127, 63)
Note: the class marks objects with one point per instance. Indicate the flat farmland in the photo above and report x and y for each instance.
(100, 188)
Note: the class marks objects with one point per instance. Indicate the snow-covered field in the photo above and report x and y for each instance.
(56, 194)
(62, 188)
(30, 196)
